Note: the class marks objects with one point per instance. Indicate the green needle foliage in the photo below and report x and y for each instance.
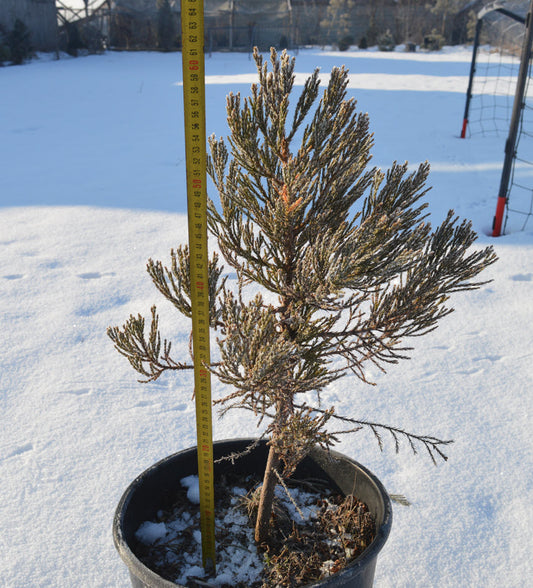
(346, 261)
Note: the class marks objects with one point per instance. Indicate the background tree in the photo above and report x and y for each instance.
(74, 39)
(5, 53)
(347, 264)
(19, 43)
(445, 10)
(375, 17)
(166, 26)
(338, 24)
(413, 18)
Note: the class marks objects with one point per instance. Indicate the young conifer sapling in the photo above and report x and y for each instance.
(347, 266)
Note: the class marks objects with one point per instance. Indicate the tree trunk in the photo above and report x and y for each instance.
(266, 500)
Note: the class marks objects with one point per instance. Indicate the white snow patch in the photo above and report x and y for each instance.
(192, 483)
(148, 533)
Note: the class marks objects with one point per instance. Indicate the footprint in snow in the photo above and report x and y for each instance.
(177, 408)
(90, 310)
(491, 358)
(21, 450)
(470, 372)
(522, 277)
(95, 275)
(156, 404)
(13, 276)
(52, 264)
(143, 403)
(25, 130)
(78, 391)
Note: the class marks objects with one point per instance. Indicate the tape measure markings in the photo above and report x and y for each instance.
(192, 25)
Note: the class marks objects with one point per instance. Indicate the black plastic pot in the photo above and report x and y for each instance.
(155, 489)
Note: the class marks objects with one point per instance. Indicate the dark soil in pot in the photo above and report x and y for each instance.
(296, 553)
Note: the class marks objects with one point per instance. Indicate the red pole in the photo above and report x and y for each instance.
(463, 130)
(498, 217)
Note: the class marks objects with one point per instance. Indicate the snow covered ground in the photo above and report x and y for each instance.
(92, 184)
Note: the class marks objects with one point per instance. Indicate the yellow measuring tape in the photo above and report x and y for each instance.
(192, 34)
